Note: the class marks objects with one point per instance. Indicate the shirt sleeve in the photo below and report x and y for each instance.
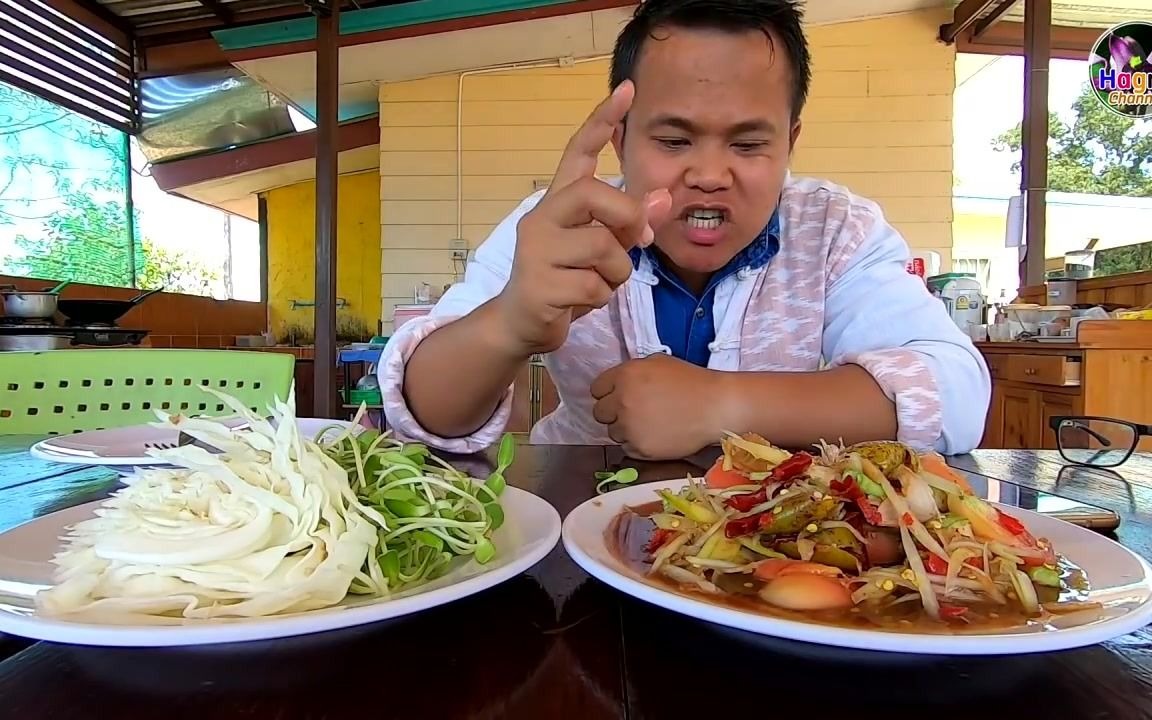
(884, 319)
(484, 278)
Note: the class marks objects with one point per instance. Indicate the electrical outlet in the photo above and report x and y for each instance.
(459, 249)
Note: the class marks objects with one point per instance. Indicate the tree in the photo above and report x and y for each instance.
(1099, 152)
(172, 270)
(86, 236)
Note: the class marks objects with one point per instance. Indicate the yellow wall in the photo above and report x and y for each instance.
(292, 251)
(879, 121)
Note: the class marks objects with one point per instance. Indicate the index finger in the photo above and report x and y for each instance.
(583, 149)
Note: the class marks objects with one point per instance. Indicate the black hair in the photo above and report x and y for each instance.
(780, 17)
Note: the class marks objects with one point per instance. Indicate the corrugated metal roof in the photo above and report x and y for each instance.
(157, 15)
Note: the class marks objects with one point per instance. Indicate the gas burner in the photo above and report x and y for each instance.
(92, 326)
(25, 322)
(103, 336)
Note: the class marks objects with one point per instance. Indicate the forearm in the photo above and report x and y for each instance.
(798, 409)
(448, 400)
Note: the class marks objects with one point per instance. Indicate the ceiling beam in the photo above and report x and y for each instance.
(174, 174)
(218, 10)
(966, 13)
(1007, 38)
(983, 24)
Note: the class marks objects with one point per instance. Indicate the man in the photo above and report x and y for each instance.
(709, 291)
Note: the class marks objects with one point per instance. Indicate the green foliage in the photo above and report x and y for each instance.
(1100, 153)
(86, 241)
(87, 238)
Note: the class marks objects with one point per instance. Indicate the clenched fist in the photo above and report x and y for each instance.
(572, 247)
(659, 407)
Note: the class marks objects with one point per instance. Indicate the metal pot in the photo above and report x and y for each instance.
(21, 304)
(34, 342)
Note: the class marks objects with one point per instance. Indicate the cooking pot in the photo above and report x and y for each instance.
(21, 304)
(100, 312)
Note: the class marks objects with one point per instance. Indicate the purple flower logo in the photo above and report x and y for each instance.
(1121, 71)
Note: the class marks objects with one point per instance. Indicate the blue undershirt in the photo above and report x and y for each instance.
(684, 319)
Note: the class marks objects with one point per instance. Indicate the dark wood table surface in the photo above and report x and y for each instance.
(554, 643)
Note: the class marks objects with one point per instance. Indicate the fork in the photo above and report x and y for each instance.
(181, 440)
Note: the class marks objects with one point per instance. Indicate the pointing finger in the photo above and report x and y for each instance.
(583, 149)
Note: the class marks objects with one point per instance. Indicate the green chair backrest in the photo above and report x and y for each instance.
(65, 391)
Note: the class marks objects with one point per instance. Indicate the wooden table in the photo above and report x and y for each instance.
(554, 643)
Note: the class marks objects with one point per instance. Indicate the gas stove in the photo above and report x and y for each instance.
(37, 330)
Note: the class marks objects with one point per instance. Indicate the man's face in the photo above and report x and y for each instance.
(711, 123)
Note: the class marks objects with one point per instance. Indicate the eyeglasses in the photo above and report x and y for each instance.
(1097, 441)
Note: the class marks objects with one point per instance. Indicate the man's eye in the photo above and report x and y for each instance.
(672, 142)
(749, 145)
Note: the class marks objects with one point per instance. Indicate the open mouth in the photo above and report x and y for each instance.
(704, 219)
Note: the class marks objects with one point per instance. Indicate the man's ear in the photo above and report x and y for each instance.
(793, 136)
(618, 140)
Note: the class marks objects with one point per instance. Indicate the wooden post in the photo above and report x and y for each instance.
(327, 123)
(1034, 140)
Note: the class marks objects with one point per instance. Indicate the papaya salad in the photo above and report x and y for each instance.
(872, 534)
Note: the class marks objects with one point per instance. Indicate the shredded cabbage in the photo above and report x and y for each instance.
(272, 524)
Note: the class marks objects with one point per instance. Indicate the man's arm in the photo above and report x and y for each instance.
(445, 379)
(476, 392)
(900, 368)
(800, 409)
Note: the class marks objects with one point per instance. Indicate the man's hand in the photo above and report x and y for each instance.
(571, 248)
(659, 408)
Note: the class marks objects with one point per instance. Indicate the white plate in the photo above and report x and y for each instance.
(1120, 578)
(530, 531)
(125, 446)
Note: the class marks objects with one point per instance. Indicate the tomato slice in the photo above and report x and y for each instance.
(718, 478)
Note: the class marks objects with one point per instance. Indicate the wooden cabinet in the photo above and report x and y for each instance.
(1107, 372)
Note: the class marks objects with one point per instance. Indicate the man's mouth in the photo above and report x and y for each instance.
(704, 219)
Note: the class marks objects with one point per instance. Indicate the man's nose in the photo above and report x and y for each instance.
(709, 170)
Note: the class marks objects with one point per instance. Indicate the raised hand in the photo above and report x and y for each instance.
(571, 248)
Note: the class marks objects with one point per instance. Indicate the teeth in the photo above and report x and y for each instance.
(705, 219)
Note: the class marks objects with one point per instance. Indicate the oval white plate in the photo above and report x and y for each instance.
(126, 446)
(530, 531)
(1119, 577)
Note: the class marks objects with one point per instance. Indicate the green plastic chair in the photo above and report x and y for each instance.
(61, 392)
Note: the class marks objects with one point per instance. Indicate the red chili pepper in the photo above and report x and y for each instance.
(658, 538)
(790, 468)
(871, 512)
(907, 519)
(952, 612)
(743, 526)
(747, 501)
(936, 565)
(1010, 523)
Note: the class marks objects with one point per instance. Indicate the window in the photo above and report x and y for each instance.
(1099, 175)
(65, 181)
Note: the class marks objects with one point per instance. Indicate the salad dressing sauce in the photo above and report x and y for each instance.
(630, 531)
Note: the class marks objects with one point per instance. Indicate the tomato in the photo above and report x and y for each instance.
(952, 612)
(934, 463)
(718, 478)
